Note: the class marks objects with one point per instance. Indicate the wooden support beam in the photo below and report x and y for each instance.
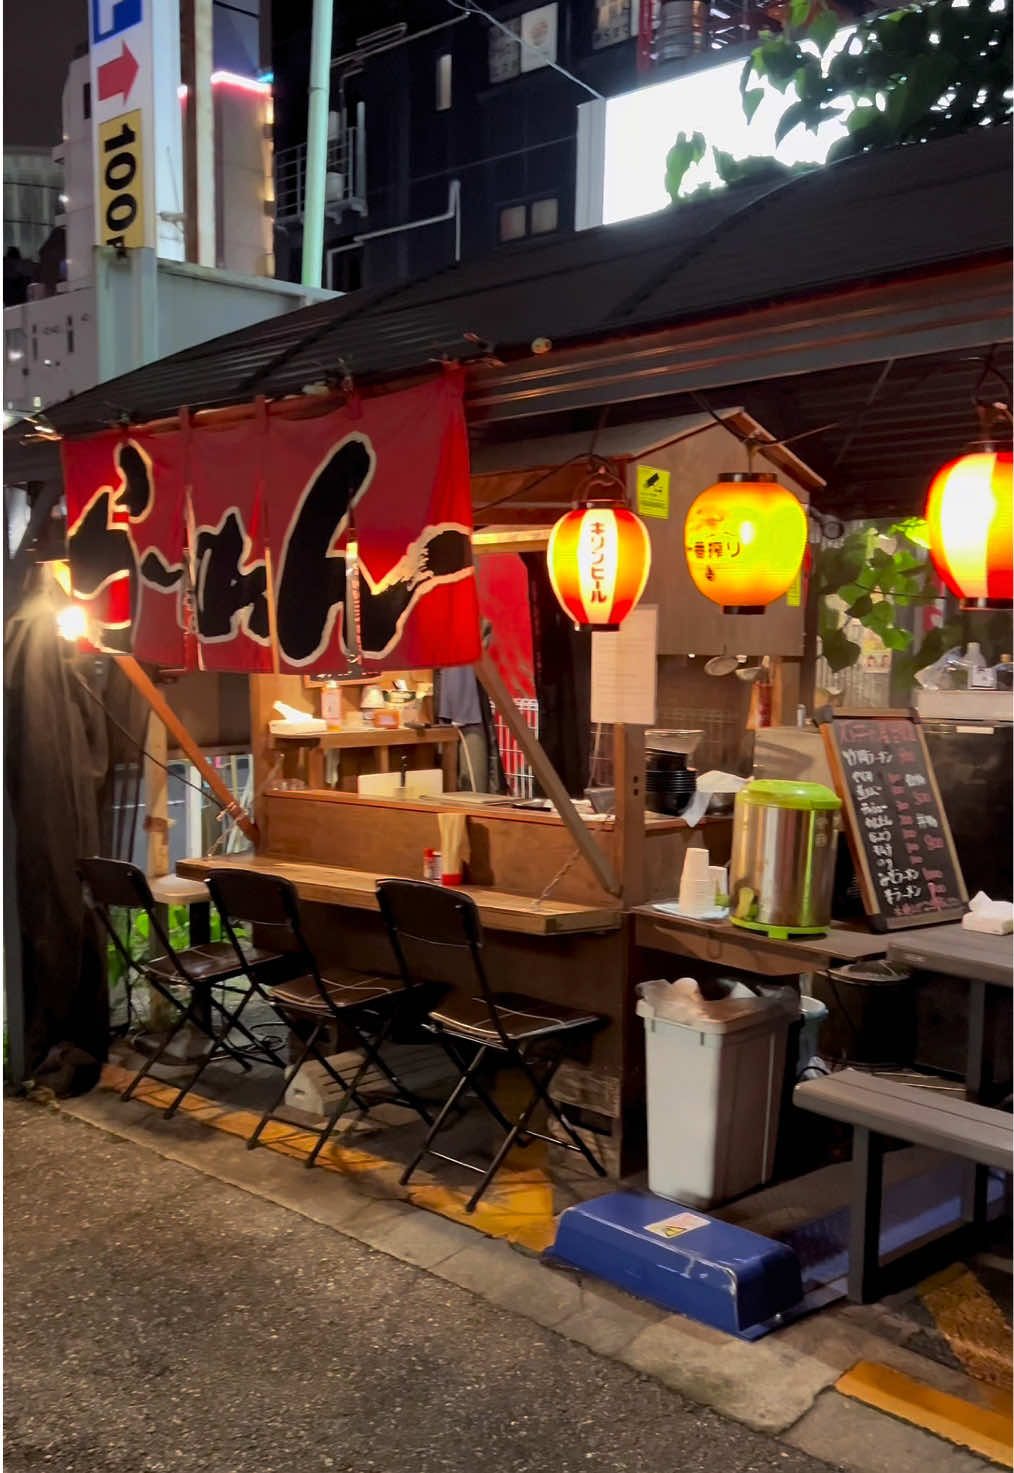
(545, 774)
(156, 798)
(162, 709)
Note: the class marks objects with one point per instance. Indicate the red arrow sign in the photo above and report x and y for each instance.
(116, 77)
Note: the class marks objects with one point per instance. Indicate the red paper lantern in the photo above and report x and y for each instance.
(745, 540)
(971, 528)
(598, 557)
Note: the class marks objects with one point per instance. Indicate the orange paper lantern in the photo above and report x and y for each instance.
(745, 539)
(598, 559)
(971, 528)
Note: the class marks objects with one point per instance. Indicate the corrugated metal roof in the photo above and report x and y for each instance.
(870, 216)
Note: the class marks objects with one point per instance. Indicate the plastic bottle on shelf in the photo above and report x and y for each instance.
(1004, 673)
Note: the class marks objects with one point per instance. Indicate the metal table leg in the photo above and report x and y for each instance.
(864, 1230)
(978, 1085)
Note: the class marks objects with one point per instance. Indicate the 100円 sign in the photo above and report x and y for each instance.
(121, 181)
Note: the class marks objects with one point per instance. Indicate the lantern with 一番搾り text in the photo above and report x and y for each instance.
(745, 540)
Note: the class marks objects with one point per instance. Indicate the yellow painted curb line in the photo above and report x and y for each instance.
(519, 1205)
(986, 1431)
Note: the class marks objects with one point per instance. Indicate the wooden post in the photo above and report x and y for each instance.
(265, 690)
(628, 776)
(545, 774)
(158, 703)
(156, 799)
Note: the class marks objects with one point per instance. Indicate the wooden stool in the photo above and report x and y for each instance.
(172, 890)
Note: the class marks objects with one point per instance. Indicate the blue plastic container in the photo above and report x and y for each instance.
(682, 1260)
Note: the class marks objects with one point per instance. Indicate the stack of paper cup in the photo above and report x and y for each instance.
(720, 876)
(697, 886)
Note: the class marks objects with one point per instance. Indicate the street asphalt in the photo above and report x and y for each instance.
(157, 1320)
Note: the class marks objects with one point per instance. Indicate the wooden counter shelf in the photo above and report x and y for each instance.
(726, 945)
(368, 736)
(356, 889)
(304, 752)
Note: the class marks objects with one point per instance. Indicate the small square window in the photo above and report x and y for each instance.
(443, 82)
(514, 222)
(545, 215)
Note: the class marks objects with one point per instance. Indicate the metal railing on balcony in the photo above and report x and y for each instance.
(346, 177)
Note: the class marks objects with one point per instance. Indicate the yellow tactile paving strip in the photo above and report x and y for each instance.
(518, 1205)
(986, 1430)
(972, 1323)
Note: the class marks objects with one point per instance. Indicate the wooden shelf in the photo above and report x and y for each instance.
(368, 736)
(357, 889)
(752, 951)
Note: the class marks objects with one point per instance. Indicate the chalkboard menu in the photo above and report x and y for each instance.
(901, 842)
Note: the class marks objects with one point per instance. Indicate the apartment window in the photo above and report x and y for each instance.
(514, 222)
(443, 82)
(615, 20)
(543, 214)
(525, 45)
(540, 217)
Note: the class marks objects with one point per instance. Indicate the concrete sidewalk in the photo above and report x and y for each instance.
(783, 1385)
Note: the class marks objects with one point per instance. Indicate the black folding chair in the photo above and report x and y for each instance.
(523, 1031)
(199, 970)
(367, 1006)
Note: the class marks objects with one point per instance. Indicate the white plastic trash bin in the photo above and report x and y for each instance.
(715, 1069)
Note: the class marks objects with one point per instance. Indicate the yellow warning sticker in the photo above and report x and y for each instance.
(675, 1226)
(652, 492)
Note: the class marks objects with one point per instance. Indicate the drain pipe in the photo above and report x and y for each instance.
(453, 212)
(316, 142)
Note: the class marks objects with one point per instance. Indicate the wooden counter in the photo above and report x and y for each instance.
(356, 889)
(726, 945)
(955, 952)
(513, 851)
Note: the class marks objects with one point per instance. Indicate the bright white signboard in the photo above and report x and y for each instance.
(623, 141)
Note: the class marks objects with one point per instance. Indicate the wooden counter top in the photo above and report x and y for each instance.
(357, 889)
(655, 823)
(956, 953)
(753, 951)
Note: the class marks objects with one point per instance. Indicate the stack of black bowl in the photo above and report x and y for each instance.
(669, 783)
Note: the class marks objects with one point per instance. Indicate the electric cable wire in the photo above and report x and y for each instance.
(469, 7)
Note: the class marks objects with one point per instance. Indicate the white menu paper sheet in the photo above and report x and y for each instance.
(624, 670)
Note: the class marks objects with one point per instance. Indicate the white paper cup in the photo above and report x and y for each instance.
(696, 863)
(720, 876)
(697, 896)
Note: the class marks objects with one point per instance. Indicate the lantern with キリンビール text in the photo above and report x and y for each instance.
(598, 557)
(971, 527)
(745, 539)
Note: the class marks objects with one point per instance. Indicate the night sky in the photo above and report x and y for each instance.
(40, 37)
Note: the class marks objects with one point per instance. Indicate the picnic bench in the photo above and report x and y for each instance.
(880, 1110)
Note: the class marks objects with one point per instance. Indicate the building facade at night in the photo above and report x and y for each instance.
(452, 133)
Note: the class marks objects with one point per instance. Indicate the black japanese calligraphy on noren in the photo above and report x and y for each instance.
(312, 572)
(231, 590)
(312, 576)
(102, 548)
(441, 555)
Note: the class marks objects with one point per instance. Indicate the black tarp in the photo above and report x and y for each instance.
(61, 755)
(562, 680)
